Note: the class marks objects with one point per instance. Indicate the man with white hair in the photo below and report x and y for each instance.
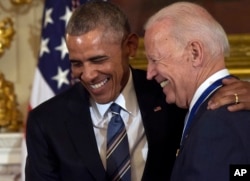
(186, 49)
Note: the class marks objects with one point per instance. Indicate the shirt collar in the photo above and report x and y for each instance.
(210, 80)
(126, 94)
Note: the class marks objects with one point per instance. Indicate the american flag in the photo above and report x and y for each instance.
(52, 74)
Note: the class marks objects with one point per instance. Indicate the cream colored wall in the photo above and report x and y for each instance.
(19, 61)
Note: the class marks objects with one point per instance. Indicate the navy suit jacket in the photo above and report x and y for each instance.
(216, 139)
(61, 141)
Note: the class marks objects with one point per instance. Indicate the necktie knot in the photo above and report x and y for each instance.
(115, 108)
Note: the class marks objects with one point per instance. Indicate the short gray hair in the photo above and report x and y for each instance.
(192, 21)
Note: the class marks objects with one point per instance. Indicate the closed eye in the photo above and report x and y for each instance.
(98, 59)
(75, 63)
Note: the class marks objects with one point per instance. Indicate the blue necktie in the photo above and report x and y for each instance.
(118, 157)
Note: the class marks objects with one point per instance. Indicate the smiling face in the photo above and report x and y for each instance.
(168, 64)
(100, 63)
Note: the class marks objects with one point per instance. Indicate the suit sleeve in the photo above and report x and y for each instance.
(41, 164)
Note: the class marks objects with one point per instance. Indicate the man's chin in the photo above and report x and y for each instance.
(104, 99)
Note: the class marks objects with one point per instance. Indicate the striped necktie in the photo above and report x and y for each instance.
(118, 157)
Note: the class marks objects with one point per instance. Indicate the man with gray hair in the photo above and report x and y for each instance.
(185, 48)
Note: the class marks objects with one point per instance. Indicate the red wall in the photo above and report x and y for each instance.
(234, 15)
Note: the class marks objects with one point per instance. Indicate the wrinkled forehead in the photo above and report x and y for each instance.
(156, 36)
(158, 30)
(101, 34)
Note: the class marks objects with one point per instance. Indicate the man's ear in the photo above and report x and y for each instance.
(132, 44)
(197, 51)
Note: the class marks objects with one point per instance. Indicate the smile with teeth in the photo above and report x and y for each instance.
(100, 84)
(164, 83)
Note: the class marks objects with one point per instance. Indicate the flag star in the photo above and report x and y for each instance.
(67, 15)
(61, 77)
(48, 18)
(62, 48)
(44, 46)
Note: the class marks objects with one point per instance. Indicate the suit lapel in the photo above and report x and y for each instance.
(150, 102)
(151, 112)
(162, 123)
(146, 100)
(196, 119)
(80, 129)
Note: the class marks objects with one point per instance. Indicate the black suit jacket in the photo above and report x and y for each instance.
(61, 141)
(216, 140)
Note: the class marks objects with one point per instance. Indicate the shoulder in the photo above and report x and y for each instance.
(60, 102)
(222, 120)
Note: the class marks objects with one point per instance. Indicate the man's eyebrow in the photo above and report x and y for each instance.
(98, 57)
(74, 60)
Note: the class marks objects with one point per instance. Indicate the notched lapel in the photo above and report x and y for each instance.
(81, 131)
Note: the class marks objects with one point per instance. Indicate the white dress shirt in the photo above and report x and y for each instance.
(209, 81)
(131, 115)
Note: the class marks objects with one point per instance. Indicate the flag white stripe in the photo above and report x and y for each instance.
(41, 91)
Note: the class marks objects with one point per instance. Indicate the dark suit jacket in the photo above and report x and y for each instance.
(61, 141)
(215, 140)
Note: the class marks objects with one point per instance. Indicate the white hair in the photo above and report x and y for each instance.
(190, 21)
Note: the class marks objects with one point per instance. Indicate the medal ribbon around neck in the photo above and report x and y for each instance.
(213, 87)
